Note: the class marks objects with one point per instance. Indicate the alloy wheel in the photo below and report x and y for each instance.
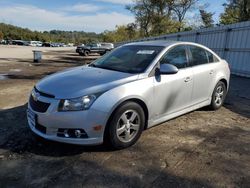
(219, 95)
(128, 126)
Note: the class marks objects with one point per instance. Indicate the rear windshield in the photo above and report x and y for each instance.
(131, 59)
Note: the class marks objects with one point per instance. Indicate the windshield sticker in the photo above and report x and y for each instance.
(148, 52)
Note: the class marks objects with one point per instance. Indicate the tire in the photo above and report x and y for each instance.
(86, 53)
(102, 53)
(125, 126)
(218, 96)
(81, 54)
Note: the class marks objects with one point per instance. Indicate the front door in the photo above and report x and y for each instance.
(173, 93)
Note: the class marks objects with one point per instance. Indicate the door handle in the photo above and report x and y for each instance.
(187, 79)
(211, 72)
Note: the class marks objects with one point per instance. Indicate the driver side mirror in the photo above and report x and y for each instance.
(168, 69)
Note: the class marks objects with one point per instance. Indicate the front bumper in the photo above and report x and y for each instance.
(52, 121)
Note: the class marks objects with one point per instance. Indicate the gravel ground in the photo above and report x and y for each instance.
(200, 149)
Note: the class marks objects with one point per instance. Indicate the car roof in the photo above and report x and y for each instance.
(163, 43)
(166, 43)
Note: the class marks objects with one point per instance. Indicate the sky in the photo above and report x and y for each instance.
(81, 15)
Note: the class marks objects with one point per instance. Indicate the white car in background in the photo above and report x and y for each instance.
(35, 43)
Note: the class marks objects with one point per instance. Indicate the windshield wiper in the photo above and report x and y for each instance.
(104, 67)
(92, 65)
(110, 68)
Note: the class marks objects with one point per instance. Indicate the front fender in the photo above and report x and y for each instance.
(139, 89)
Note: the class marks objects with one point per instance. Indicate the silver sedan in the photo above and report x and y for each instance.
(130, 89)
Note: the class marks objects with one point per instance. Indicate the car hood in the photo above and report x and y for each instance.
(80, 81)
(80, 46)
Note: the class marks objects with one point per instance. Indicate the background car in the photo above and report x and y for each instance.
(35, 43)
(100, 48)
(20, 42)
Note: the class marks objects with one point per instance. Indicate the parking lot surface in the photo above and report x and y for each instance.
(200, 149)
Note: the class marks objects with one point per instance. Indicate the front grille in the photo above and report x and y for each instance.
(44, 94)
(40, 128)
(38, 106)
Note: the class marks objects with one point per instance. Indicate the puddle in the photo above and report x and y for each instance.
(4, 76)
(15, 70)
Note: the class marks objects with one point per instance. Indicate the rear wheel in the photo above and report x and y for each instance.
(218, 96)
(126, 125)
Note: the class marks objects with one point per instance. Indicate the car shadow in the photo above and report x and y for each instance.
(238, 97)
(65, 165)
(16, 136)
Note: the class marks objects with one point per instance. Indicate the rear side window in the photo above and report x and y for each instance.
(199, 55)
(211, 57)
(176, 56)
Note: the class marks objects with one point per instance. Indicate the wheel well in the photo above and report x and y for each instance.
(145, 109)
(224, 81)
(138, 101)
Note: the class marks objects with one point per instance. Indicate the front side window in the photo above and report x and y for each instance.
(131, 58)
(199, 55)
(176, 56)
(92, 45)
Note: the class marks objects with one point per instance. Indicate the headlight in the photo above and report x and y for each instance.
(77, 104)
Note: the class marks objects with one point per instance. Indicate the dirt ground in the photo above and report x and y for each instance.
(199, 149)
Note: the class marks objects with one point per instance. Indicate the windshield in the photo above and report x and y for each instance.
(131, 59)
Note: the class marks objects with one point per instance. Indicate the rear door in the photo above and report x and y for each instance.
(203, 73)
(173, 92)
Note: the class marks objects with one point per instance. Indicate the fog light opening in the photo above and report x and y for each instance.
(78, 133)
(72, 133)
(66, 134)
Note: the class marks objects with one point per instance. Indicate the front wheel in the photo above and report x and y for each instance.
(126, 125)
(218, 96)
(104, 52)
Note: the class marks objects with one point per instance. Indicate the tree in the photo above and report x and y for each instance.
(131, 29)
(229, 16)
(155, 17)
(180, 7)
(143, 11)
(14, 33)
(207, 18)
(235, 11)
(1, 35)
(161, 17)
(121, 33)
